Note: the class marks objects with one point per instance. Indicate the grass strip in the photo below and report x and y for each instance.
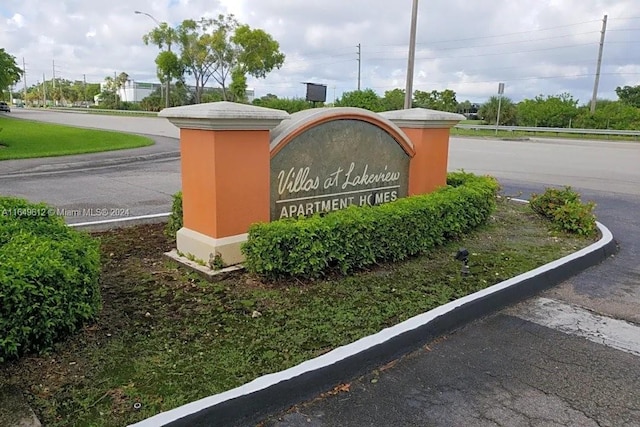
(491, 133)
(22, 139)
(165, 337)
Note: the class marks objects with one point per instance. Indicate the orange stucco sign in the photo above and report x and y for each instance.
(243, 164)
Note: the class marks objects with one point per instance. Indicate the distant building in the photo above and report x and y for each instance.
(134, 91)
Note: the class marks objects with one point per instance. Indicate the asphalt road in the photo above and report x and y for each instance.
(98, 187)
(517, 367)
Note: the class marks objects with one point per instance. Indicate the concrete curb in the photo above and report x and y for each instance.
(92, 164)
(272, 393)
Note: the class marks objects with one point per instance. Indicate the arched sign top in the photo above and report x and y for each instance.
(327, 159)
(304, 120)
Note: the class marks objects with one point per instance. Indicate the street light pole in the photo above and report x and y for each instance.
(408, 95)
(137, 12)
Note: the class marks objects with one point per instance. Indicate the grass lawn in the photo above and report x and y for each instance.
(165, 337)
(21, 139)
(521, 134)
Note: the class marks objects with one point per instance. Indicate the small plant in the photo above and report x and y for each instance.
(175, 219)
(216, 262)
(565, 210)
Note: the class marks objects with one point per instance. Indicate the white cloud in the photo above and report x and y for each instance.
(16, 20)
(542, 47)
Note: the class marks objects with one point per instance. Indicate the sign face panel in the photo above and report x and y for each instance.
(337, 164)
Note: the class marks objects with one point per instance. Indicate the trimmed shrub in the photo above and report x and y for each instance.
(48, 278)
(359, 236)
(175, 219)
(565, 210)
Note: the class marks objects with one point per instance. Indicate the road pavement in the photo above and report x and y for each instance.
(548, 361)
(100, 186)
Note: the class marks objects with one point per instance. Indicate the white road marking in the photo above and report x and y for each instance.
(574, 320)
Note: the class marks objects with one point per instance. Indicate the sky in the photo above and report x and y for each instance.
(536, 47)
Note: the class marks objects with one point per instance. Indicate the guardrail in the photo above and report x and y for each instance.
(610, 132)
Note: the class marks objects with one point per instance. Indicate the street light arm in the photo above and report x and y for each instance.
(137, 12)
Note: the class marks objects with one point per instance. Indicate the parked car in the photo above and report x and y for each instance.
(5, 107)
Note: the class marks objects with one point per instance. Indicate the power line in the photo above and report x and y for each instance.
(333, 54)
(624, 19)
(503, 34)
(502, 43)
(493, 53)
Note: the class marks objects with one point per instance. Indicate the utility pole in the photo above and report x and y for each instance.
(359, 63)
(408, 95)
(84, 88)
(116, 88)
(24, 80)
(44, 90)
(598, 65)
(53, 93)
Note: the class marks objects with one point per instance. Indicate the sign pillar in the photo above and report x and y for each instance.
(429, 131)
(225, 161)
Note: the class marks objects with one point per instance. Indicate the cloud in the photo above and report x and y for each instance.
(542, 47)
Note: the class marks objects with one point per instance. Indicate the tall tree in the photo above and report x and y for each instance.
(629, 95)
(489, 111)
(239, 51)
(121, 82)
(167, 62)
(196, 52)
(9, 71)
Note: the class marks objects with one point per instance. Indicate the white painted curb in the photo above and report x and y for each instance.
(118, 220)
(365, 343)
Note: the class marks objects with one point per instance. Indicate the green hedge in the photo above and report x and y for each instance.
(357, 237)
(565, 210)
(48, 277)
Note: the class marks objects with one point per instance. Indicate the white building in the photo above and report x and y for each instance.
(134, 91)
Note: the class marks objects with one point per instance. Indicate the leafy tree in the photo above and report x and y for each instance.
(213, 95)
(552, 111)
(109, 95)
(609, 115)
(629, 95)
(464, 107)
(238, 87)
(443, 101)
(120, 82)
(508, 112)
(290, 105)
(393, 100)
(152, 102)
(240, 51)
(168, 64)
(9, 71)
(196, 53)
(367, 99)
(224, 50)
(179, 95)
